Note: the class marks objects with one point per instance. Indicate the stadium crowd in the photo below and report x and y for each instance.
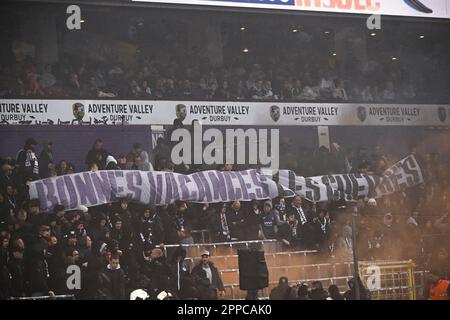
(120, 246)
(285, 78)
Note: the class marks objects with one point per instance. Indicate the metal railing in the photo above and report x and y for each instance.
(56, 297)
(230, 243)
(194, 250)
(204, 236)
(407, 284)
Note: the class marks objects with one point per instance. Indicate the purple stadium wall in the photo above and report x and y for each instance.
(71, 143)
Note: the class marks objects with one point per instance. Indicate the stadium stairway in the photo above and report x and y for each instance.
(297, 266)
(225, 257)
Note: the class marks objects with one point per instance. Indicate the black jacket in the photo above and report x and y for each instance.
(178, 273)
(251, 225)
(91, 157)
(169, 226)
(150, 230)
(56, 270)
(112, 284)
(98, 233)
(37, 267)
(45, 158)
(235, 220)
(90, 279)
(279, 292)
(216, 282)
(158, 273)
(318, 294)
(16, 271)
(286, 232)
(215, 228)
(37, 274)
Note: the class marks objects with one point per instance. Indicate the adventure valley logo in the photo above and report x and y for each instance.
(213, 112)
(275, 113)
(362, 113)
(78, 111)
(442, 114)
(418, 6)
(389, 114)
(180, 110)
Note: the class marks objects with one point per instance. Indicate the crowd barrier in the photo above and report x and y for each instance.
(397, 279)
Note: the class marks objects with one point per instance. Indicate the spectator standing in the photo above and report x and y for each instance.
(17, 272)
(112, 283)
(279, 292)
(438, 288)
(217, 289)
(235, 220)
(270, 221)
(303, 292)
(97, 155)
(322, 225)
(350, 294)
(252, 223)
(178, 269)
(149, 227)
(334, 293)
(46, 159)
(305, 226)
(288, 232)
(317, 292)
(218, 222)
(182, 223)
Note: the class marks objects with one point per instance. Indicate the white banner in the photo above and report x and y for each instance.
(154, 187)
(411, 8)
(141, 112)
(404, 174)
